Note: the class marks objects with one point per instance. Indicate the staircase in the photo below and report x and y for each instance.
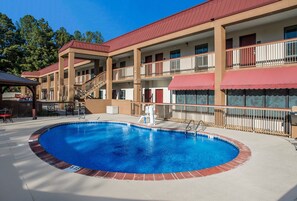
(90, 86)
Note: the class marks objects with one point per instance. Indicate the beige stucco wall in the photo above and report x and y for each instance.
(95, 106)
(124, 106)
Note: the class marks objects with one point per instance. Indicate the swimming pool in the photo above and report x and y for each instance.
(110, 147)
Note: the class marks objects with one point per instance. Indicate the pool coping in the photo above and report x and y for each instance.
(243, 156)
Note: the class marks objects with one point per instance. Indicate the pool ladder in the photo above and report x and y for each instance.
(191, 125)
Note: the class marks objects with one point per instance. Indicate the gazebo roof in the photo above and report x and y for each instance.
(13, 80)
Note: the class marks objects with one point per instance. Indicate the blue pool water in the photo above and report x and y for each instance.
(117, 147)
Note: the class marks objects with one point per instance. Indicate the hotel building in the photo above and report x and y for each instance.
(221, 52)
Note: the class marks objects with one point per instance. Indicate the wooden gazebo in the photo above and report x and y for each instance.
(7, 80)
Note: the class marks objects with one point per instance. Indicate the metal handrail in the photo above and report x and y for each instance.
(202, 124)
(188, 127)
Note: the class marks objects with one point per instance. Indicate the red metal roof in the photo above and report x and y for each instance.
(203, 81)
(85, 46)
(265, 78)
(31, 74)
(49, 69)
(194, 16)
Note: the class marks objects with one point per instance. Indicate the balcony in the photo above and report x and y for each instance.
(267, 54)
(124, 73)
(182, 65)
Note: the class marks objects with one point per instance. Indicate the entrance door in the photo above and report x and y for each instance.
(159, 65)
(229, 56)
(147, 95)
(148, 67)
(247, 55)
(159, 95)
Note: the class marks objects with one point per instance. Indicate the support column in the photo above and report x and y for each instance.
(220, 67)
(71, 76)
(48, 86)
(137, 81)
(39, 88)
(56, 75)
(109, 78)
(293, 121)
(61, 79)
(23, 90)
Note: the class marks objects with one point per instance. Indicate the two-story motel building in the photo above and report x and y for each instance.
(221, 52)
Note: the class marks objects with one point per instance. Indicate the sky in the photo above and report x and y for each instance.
(110, 17)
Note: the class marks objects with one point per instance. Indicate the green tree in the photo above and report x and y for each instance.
(62, 37)
(78, 36)
(10, 50)
(38, 44)
(89, 37)
(94, 37)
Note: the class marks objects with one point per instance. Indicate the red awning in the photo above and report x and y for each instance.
(203, 81)
(265, 78)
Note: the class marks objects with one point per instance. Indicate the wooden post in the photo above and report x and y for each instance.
(220, 67)
(137, 81)
(56, 75)
(61, 78)
(48, 86)
(71, 76)
(294, 128)
(109, 78)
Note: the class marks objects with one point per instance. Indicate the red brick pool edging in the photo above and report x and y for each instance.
(243, 156)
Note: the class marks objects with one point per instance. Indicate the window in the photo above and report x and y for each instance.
(174, 54)
(276, 98)
(291, 32)
(122, 64)
(180, 99)
(255, 98)
(101, 94)
(92, 73)
(114, 65)
(193, 97)
(270, 98)
(236, 98)
(201, 61)
(122, 95)
(292, 98)
(291, 46)
(175, 64)
(200, 49)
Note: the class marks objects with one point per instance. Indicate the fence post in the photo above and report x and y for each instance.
(294, 128)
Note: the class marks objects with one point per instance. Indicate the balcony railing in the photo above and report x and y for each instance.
(195, 63)
(123, 73)
(261, 120)
(266, 54)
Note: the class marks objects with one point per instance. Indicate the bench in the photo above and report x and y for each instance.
(6, 114)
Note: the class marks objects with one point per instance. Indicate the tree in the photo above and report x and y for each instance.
(38, 45)
(89, 37)
(93, 37)
(78, 36)
(61, 37)
(10, 51)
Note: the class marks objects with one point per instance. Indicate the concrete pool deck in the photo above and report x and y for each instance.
(269, 174)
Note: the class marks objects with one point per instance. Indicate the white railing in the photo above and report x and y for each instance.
(266, 54)
(195, 63)
(261, 120)
(123, 73)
